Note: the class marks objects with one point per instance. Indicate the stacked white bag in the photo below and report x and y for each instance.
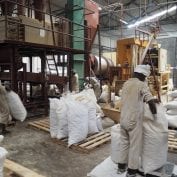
(62, 118)
(171, 106)
(54, 122)
(16, 106)
(155, 140)
(92, 118)
(77, 122)
(74, 116)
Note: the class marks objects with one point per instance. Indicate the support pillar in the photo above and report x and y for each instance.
(75, 9)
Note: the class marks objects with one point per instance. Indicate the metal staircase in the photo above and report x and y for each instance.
(52, 65)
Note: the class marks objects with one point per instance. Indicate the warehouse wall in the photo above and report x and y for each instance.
(106, 41)
(171, 46)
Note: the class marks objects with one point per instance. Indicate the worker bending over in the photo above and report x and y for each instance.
(134, 93)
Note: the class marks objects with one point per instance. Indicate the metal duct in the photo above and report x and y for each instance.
(105, 64)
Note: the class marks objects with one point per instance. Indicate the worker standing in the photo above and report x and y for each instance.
(74, 81)
(135, 91)
(4, 111)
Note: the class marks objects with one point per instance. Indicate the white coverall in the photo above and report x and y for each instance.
(134, 93)
(4, 107)
(75, 83)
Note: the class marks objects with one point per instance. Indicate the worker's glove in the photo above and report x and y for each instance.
(155, 116)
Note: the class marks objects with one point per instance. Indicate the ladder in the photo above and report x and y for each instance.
(150, 37)
(52, 65)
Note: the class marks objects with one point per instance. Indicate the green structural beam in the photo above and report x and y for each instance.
(76, 14)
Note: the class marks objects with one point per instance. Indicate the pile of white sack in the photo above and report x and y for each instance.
(155, 141)
(75, 116)
(171, 107)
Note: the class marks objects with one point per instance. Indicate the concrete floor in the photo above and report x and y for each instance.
(35, 150)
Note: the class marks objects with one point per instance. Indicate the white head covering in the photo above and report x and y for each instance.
(143, 69)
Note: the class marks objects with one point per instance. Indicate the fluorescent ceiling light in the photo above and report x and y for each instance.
(146, 19)
(123, 21)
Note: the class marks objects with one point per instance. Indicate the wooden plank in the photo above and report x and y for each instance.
(94, 140)
(91, 137)
(45, 121)
(39, 127)
(172, 147)
(98, 143)
(20, 170)
(42, 124)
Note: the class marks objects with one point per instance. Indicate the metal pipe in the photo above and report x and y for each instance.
(99, 43)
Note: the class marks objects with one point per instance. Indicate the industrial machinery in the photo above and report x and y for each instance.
(37, 50)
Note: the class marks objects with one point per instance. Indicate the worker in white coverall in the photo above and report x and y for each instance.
(134, 92)
(4, 111)
(74, 81)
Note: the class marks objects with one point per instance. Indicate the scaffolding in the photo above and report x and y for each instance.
(31, 33)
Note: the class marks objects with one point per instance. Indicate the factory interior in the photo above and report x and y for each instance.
(59, 54)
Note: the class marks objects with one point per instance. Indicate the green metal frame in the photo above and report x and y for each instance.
(77, 15)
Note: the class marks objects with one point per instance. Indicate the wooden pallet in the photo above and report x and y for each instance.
(42, 124)
(89, 144)
(172, 141)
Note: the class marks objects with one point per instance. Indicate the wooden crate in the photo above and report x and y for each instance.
(85, 146)
(112, 113)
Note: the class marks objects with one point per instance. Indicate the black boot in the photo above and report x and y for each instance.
(3, 129)
(121, 168)
(131, 172)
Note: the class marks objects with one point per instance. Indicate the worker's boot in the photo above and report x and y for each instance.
(131, 172)
(3, 129)
(121, 168)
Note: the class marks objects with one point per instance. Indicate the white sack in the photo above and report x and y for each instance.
(172, 112)
(115, 143)
(77, 121)
(89, 93)
(54, 122)
(155, 141)
(61, 112)
(92, 119)
(173, 94)
(172, 120)
(16, 106)
(3, 153)
(107, 168)
(99, 122)
(171, 105)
